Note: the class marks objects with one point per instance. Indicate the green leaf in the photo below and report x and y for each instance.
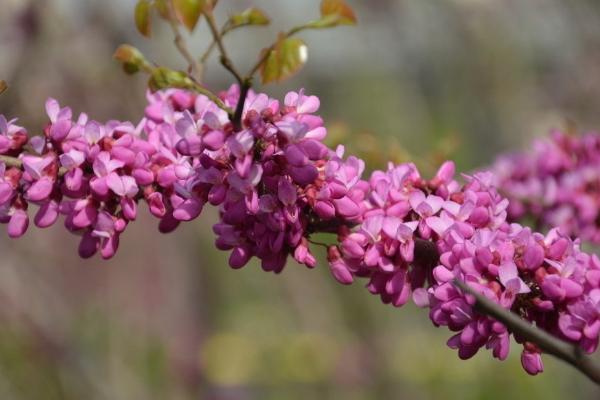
(189, 11)
(284, 60)
(132, 59)
(336, 12)
(163, 78)
(143, 17)
(251, 16)
(3, 86)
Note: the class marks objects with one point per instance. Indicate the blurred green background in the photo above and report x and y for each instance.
(418, 80)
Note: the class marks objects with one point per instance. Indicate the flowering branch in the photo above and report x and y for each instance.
(276, 182)
(548, 343)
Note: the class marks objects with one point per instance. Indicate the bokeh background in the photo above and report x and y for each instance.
(167, 319)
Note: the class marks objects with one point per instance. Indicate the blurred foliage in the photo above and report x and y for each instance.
(416, 81)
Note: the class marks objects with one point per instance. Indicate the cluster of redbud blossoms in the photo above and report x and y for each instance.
(276, 183)
(556, 184)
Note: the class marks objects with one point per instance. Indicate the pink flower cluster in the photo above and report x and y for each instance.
(274, 181)
(95, 174)
(545, 279)
(275, 184)
(556, 184)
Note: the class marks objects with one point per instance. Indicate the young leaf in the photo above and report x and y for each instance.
(338, 11)
(143, 17)
(284, 60)
(132, 59)
(189, 11)
(3, 86)
(163, 78)
(251, 16)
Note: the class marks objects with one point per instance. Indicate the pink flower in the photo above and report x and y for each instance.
(532, 362)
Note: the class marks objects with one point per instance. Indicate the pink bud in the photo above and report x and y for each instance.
(346, 207)
(239, 257)
(445, 173)
(99, 187)
(156, 204)
(213, 140)
(168, 224)
(40, 189)
(166, 177)
(123, 154)
(304, 175)
(188, 210)
(60, 129)
(119, 225)
(325, 210)
(85, 217)
(190, 146)
(420, 297)
(47, 214)
(17, 226)
(286, 192)
(217, 194)
(295, 156)
(143, 176)
(532, 362)
(314, 149)
(338, 267)
(533, 256)
(88, 246)
(129, 207)
(6, 192)
(109, 246)
(73, 179)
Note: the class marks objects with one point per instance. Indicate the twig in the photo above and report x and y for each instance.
(195, 68)
(217, 36)
(548, 343)
(227, 27)
(224, 30)
(245, 83)
(324, 245)
(239, 108)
